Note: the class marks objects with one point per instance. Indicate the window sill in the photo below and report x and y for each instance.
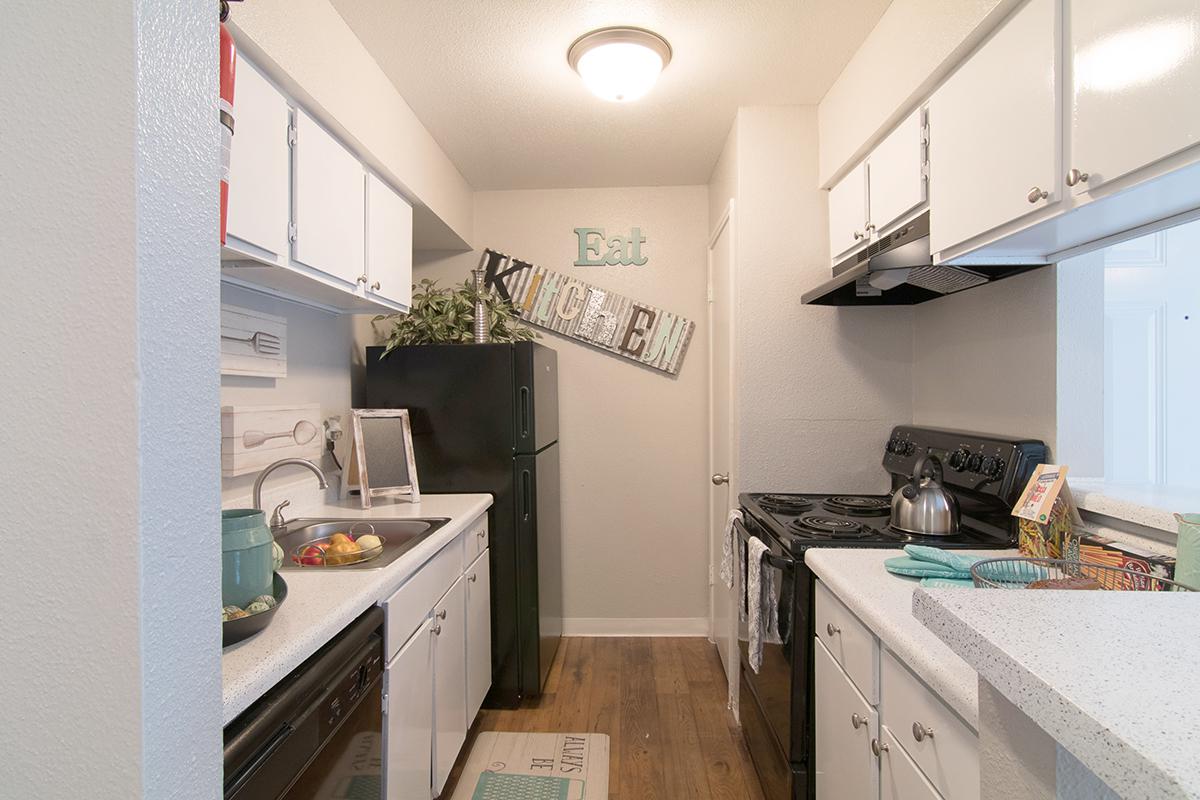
(1142, 504)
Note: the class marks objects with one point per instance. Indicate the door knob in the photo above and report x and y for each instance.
(858, 235)
(878, 747)
(1036, 194)
(1075, 176)
(921, 733)
(720, 479)
(857, 721)
(362, 279)
(375, 286)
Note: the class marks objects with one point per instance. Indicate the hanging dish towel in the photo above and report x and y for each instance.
(728, 544)
(762, 603)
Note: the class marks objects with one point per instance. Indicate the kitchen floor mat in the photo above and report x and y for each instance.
(535, 766)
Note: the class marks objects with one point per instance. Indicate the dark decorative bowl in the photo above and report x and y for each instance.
(235, 630)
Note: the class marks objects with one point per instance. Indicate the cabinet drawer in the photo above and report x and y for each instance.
(476, 538)
(949, 757)
(411, 603)
(899, 776)
(850, 642)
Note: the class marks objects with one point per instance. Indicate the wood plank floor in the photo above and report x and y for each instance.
(662, 703)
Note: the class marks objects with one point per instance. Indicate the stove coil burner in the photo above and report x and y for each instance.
(859, 506)
(785, 503)
(817, 526)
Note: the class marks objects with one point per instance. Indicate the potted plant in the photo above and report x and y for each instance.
(447, 316)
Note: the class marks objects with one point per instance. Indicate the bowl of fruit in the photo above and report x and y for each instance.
(239, 623)
(340, 549)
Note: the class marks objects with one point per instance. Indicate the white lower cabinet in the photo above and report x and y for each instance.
(845, 724)
(442, 613)
(881, 732)
(449, 681)
(899, 776)
(479, 632)
(408, 732)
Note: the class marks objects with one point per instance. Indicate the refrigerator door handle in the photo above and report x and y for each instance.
(524, 410)
(526, 494)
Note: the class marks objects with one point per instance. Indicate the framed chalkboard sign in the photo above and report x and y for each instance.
(381, 461)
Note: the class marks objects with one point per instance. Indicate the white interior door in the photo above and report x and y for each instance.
(721, 256)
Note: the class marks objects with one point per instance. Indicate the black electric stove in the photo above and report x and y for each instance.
(986, 475)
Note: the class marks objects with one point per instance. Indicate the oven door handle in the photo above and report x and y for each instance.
(769, 557)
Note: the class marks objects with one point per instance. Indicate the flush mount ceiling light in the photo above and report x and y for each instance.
(621, 63)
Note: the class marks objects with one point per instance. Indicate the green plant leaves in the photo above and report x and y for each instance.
(441, 316)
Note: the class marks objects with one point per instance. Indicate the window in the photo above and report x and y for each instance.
(1129, 360)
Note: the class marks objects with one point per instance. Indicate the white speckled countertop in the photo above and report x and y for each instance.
(883, 602)
(1143, 504)
(1111, 675)
(321, 603)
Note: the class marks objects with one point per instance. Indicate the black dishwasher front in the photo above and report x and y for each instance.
(318, 734)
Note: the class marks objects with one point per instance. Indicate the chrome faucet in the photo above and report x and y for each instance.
(278, 523)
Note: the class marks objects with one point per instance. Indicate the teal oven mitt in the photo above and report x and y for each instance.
(936, 555)
(932, 563)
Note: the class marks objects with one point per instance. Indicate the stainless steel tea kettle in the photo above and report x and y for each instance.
(923, 506)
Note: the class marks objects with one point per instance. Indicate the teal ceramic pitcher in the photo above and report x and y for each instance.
(247, 563)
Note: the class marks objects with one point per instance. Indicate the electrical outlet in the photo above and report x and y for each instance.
(333, 429)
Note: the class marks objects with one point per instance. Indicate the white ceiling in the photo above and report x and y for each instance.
(490, 80)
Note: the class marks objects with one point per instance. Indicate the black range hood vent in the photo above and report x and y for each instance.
(898, 270)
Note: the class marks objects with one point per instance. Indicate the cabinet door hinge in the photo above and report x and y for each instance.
(291, 135)
(385, 699)
(291, 231)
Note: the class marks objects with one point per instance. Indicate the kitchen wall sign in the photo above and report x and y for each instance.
(598, 250)
(637, 331)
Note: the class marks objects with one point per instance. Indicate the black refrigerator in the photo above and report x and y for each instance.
(485, 419)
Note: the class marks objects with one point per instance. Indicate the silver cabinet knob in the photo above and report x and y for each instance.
(878, 747)
(870, 227)
(375, 286)
(472, 578)
(481, 534)
(859, 235)
(921, 733)
(1036, 194)
(720, 479)
(1075, 177)
(857, 721)
(362, 279)
(441, 614)
(831, 629)
(436, 630)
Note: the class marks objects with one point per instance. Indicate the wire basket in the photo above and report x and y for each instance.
(1045, 573)
(322, 553)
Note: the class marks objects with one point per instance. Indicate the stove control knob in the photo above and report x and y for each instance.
(894, 446)
(958, 459)
(975, 462)
(909, 448)
(993, 468)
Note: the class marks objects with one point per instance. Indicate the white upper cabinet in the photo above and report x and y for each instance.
(330, 208)
(993, 153)
(895, 172)
(259, 183)
(848, 212)
(1135, 84)
(389, 243)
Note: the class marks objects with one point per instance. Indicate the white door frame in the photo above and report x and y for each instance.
(714, 568)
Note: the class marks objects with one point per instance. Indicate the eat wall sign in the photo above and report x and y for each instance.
(598, 250)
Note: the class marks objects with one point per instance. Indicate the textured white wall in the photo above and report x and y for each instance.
(985, 359)
(321, 350)
(111, 651)
(328, 67)
(914, 46)
(819, 388)
(634, 441)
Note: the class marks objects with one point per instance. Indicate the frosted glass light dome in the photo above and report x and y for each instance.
(619, 64)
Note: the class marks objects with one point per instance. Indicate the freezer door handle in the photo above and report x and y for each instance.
(524, 411)
(526, 494)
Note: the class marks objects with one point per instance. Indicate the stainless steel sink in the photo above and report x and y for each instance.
(399, 536)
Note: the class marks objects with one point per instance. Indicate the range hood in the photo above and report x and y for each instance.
(897, 270)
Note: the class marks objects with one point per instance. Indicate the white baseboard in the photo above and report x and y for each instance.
(636, 626)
